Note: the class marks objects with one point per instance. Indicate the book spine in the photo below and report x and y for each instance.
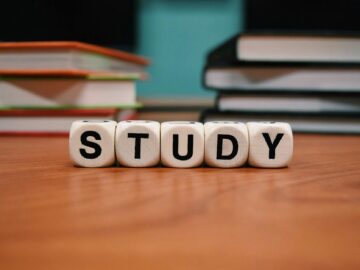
(33, 133)
(235, 63)
(299, 115)
(224, 54)
(294, 92)
(286, 93)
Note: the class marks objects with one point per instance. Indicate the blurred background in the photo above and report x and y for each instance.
(176, 35)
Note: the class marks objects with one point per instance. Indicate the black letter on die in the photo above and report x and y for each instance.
(138, 137)
(220, 140)
(272, 145)
(84, 141)
(176, 147)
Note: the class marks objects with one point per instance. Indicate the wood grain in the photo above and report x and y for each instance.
(55, 216)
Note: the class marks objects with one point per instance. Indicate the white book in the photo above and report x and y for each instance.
(58, 124)
(66, 92)
(289, 103)
(65, 60)
(268, 78)
(345, 124)
(297, 47)
(24, 122)
(67, 57)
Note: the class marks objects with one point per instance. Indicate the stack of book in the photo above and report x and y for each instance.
(45, 86)
(310, 81)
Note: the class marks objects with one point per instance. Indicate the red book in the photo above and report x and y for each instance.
(66, 58)
(54, 122)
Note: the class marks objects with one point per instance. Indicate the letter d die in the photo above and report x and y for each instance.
(91, 143)
(226, 144)
(271, 144)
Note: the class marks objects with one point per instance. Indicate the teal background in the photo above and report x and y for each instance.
(176, 35)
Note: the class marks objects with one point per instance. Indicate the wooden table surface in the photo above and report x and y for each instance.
(55, 216)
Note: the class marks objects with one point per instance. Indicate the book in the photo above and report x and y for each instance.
(54, 122)
(68, 58)
(66, 92)
(337, 123)
(283, 79)
(288, 103)
(290, 47)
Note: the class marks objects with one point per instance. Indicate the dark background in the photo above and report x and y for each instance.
(303, 15)
(175, 34)
(94, 21)
(105, 22)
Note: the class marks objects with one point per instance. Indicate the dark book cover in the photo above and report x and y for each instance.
(225, 54)
(340, 123)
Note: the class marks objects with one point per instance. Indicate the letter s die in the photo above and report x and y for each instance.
(91, 143)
